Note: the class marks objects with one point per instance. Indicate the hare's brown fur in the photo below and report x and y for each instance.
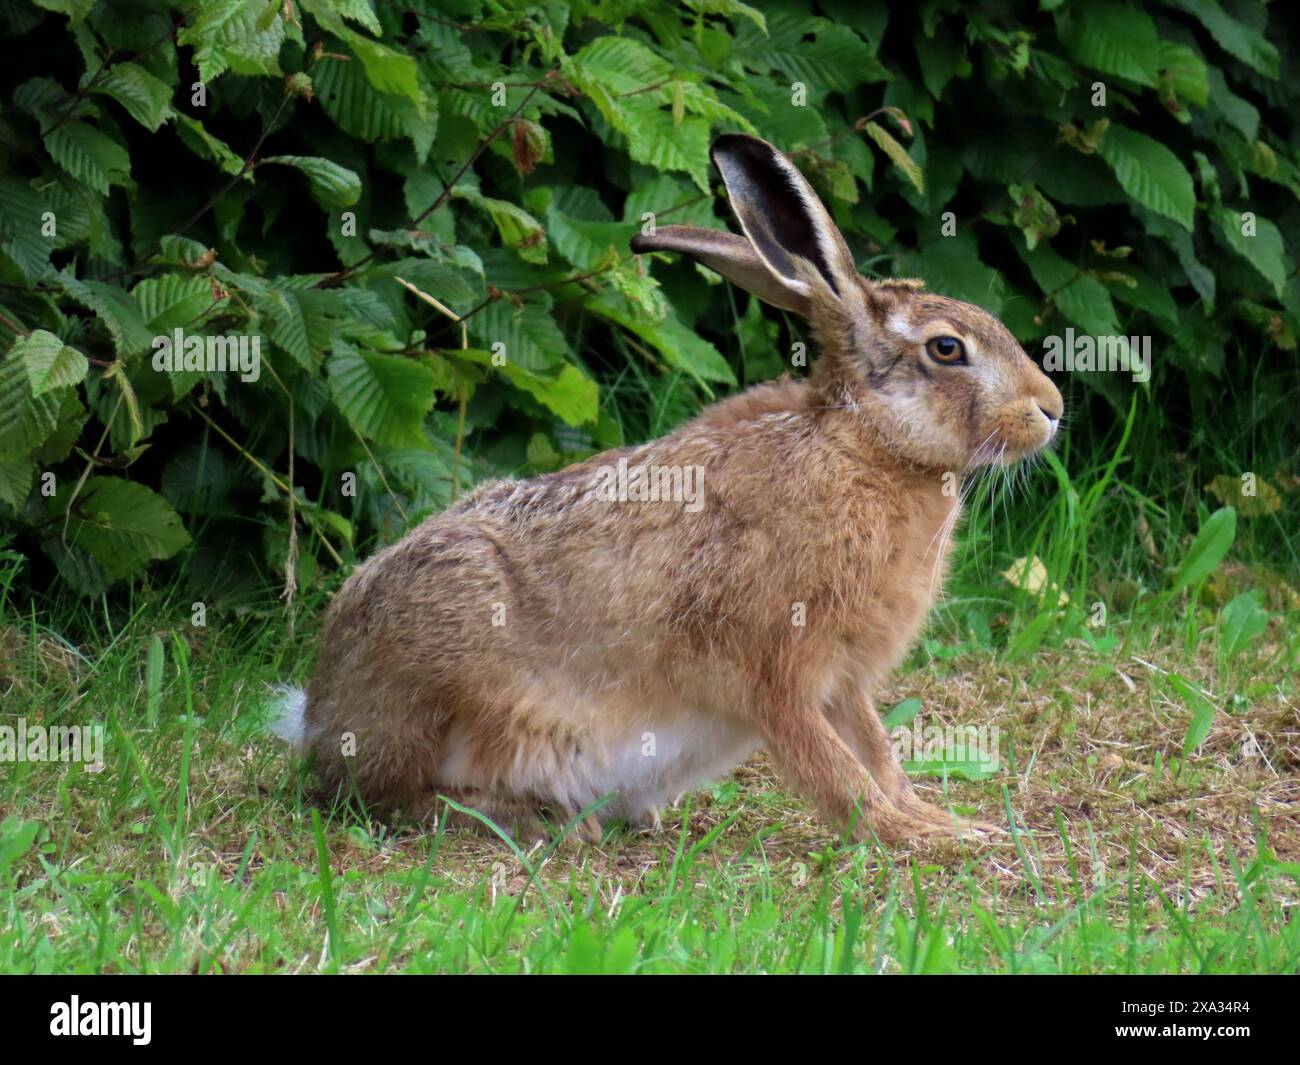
(537, 645)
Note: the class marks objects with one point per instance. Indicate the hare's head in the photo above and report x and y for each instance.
(942, 382)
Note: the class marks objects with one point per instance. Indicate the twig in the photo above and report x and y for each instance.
(90, 464)
(248, 165)
(13, 327)
(380, 470)
(445, 195)
(464, 396)
(291, 554)
(80, 94)
(259, 464)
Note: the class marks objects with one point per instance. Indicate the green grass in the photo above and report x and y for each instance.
(193, 849)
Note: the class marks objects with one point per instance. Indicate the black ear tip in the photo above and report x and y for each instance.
(740, 144)
(641, 243)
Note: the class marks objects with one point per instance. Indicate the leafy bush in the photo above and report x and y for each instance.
(278, 169)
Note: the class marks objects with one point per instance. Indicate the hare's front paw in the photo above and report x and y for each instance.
(931, 821)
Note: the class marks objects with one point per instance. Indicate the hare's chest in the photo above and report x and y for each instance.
(885, 615)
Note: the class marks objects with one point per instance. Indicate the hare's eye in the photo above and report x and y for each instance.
(946, 349)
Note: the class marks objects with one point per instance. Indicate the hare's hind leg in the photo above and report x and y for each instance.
(374, 738)
(519, 818)
(524, 819)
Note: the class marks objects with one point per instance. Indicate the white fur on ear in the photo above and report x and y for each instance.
(730, 255)
(825, 232)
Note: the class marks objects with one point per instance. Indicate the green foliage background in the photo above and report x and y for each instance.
(272, 167)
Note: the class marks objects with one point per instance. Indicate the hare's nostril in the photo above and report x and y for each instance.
(1052, 419)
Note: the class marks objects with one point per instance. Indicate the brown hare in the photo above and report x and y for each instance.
(543, 643)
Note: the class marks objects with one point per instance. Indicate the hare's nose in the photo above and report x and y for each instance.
(1049, 401)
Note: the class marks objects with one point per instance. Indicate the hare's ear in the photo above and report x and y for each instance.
(785, 221)
(731, 256)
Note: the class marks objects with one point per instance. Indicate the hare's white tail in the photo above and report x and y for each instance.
(288, 719)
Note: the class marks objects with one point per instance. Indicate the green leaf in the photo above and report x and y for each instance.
(324, 520)
(835, 59)
(1234, 36)
(1150, 173)
(425, 473)
(16, 481)
(76, 10)
(116, 309)
(1113, 38)
(1185, 73)
(17, 837)
(1198, 729)
(952, 266)
(520, 231)
(361, 110)
(1242, 621)
(965, 768)
(388, 70)
(331, 184)
(902, 714)
(571, 395)
(121, 524)
(1239, 113)
(654, 138)
(70, 420)
(730, 9)
(680, 345)
(767, 107)
(620, 65)
(358, 11)
(26, 421)
(21, 217)
(886, 142)
(383, 397)
(50, 363)
(199, 480)
(143, 95)
(1201, 277)
(529, 333)
(1081, 298)
(172, 301)
(1146, 294)
(941, 58)
(239, 35)
(89, 155)
(287, 327)
(195, 136)
(1210, 547)
(1263, 249)
(585, 243)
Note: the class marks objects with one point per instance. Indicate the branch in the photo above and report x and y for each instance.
(445, 195)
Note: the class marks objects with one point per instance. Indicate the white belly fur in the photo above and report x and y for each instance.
(649, 759)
